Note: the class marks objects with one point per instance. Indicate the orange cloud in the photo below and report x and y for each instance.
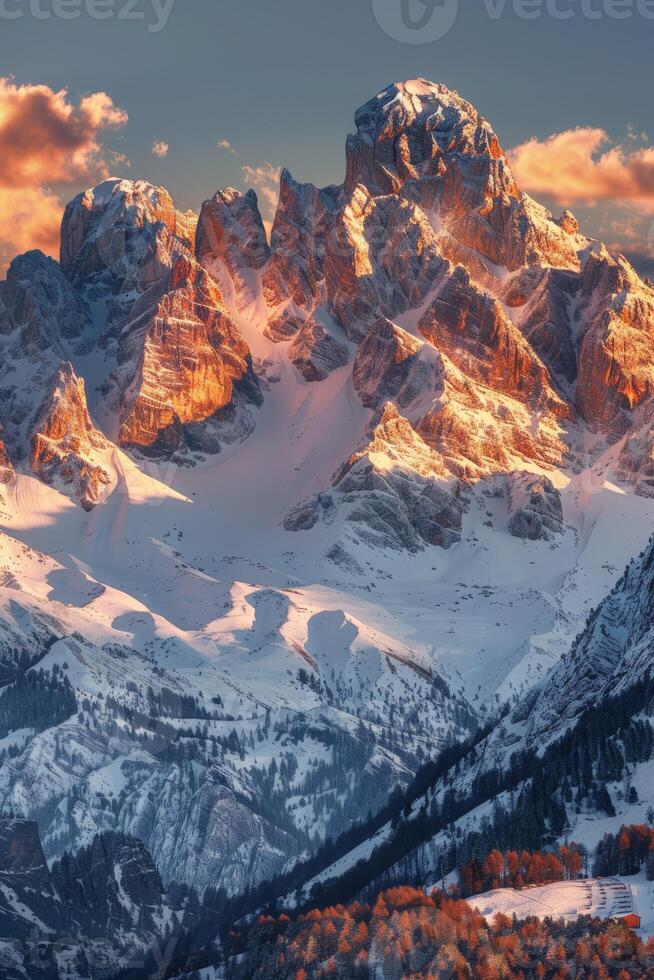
(575, 166)
(46, 141)
(28, 219)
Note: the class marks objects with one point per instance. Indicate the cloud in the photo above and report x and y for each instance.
(28, 219)
(160, 149)
(226, 145)
(579, 165)
(46, 142)
(266, 179)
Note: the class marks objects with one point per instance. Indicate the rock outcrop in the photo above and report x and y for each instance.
(393, 365)
(42, 321)
(38, 306)
(28, 899)
(231, 231)
(111, 888)
(316, 352)
(536, 511)
(66, 448)
(119, 235)
(186, 373)
(616, 369)
(7, 471)
(395, 492)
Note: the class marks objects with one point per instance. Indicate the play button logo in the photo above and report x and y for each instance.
(416, 21)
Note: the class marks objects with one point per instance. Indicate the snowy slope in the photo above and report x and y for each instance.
(601, 898)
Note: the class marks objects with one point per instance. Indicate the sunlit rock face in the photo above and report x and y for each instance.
(117, 240)
(65, 445)
(184, 363)
(178, 367)
(472, 329)
(616, 369)
(425, 141)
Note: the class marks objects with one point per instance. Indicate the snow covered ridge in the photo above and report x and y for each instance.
(343, 493)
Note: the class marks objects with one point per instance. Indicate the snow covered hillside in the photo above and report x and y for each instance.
(601, 898)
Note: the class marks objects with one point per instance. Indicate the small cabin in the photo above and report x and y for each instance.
(632, 920)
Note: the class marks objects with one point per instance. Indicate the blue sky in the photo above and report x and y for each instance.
(280, 79)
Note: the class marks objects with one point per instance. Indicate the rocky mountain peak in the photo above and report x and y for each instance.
(121, 233)
(66, 447)
(416, 129)
(38, 305)
(231, 229)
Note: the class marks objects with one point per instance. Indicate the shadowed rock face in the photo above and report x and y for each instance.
(230, 228)
(316, 353)
(391, 364)
(536, 509)
(541, 299)
(395, 491)
(65, 443)
(7, 472)
(38, 305)
(96, 912)
(27, 897)
(110, 887)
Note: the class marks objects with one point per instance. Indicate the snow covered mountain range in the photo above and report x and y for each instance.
(281, 519)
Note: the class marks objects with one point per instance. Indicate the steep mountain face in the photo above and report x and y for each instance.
(42, 318)
(65, 444)
(190, 367)
(180, 361)
(612, 653)
(230, 231)
(343, 494)
(28, 898)
(95, 913)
